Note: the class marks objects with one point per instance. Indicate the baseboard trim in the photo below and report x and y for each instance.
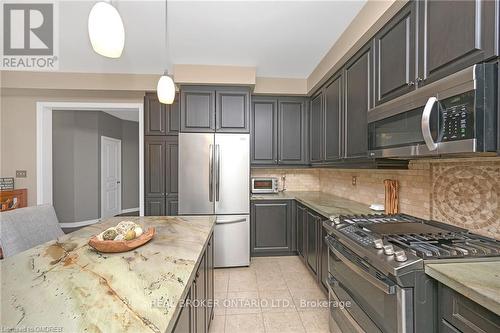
(129, 210)
(78, 224)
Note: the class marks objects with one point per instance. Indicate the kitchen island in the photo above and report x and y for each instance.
(66, 286)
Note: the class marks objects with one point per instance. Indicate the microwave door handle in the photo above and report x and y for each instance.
(210, 173)
(426, 124)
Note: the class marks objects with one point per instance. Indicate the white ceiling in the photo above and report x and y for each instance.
(279, 38)
(131, 115)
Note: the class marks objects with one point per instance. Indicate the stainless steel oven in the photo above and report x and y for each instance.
(372, 302)
(457, 114)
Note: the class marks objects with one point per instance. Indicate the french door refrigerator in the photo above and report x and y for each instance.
(214, 172)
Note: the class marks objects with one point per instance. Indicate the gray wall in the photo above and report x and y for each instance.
(76, 158)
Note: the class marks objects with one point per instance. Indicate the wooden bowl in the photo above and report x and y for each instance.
(111, 246)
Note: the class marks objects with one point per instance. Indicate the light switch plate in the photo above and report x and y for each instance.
(21, 174)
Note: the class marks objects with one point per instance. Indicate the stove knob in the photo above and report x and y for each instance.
(379, 243)
(400, 256)
(388, 250)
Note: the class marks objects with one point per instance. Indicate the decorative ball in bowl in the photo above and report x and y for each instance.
(126, 236)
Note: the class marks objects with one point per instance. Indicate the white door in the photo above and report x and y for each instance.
(111, 174)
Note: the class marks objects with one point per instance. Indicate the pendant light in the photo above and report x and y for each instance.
(166, 86)
(106, 31)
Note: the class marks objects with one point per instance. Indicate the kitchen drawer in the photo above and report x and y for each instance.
(460, 313)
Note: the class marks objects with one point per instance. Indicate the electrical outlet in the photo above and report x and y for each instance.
(21, 174)
(354, 180)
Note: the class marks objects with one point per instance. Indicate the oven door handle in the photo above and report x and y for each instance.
(426, 124)
(386, 288)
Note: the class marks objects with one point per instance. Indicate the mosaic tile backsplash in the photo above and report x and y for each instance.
(462, 192)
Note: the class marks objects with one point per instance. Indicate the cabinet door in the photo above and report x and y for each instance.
(233, 110)
(171, 166)
(264, 131)
(210, 279)
(358, 85)
(395, 56)
(172, 205)
(183, 324)
(316, 128)
(197, 109)
(200, 309)
(454, 36)
(333, 119)
(154, 206)
(300, 216)
(312, 242)
(173, 117)
(154, 166)
(292, 120)
(154, 115)
(323, 256)
(270, 227)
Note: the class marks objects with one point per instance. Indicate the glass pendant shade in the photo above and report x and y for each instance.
(166, 89)
(106, 31)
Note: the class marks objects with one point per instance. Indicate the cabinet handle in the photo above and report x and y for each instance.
(418, 80)
(411, 83)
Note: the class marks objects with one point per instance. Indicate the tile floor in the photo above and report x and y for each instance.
(274, 294)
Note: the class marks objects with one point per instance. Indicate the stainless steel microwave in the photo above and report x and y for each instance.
(264, 185)
(455, 115)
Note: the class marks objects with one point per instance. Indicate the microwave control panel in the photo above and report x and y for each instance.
(457, 117)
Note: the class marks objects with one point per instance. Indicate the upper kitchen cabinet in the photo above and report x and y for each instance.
(159, 118)
(232, 110)
(264, 130)
(197, 109)
(358, 86)
(279, 131)
(454, 36)
(333, 119)
(395, 51)
(316, 128)
(215, 109)
(292, 130)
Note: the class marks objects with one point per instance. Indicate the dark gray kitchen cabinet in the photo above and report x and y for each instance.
(264, 131)
(323, 257)
(271, 224)
(453, 36)
(279, 131)
(210, 280)
(312, 242)
(197, 109)
(394, 49)
(459, 314)
(154, 206)
(183, 323)
(159, 118)
(232, 112)
(357, 102)
(161, 175)
(316, 128)
(333, 119)
(301, 216)
(292, 131)
(200, 296)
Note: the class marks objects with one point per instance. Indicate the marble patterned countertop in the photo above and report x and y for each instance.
(328, 205)
(478, 281)
(69, 287)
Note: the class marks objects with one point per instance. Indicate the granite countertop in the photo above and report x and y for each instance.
(328, 205)
(478, 281)
(68, 286)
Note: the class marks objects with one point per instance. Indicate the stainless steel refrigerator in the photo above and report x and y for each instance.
(214, 172)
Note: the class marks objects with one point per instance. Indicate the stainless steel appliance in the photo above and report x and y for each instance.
(454, 115)
(214, 173)
(376, 262)
(264, 185)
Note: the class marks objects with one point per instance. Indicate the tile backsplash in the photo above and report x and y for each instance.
(462, 192)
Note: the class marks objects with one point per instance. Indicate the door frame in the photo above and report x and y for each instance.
(102, 139)
(44, 190)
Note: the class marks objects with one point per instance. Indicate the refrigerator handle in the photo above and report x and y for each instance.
(217, 170)
(211, 173)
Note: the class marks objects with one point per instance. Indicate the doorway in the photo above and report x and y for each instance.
(111, 176)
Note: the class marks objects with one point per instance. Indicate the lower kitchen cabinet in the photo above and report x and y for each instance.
(300, 217)
(272, 228)
(312, 242)
(154, 206)
(197, 314)
(171, 205)
(459, 314)
(323, 257)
